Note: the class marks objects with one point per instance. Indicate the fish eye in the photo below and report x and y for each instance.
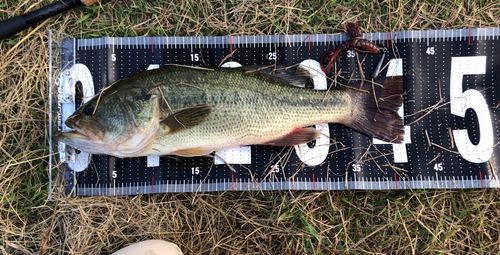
(309, 83)
(89, 109)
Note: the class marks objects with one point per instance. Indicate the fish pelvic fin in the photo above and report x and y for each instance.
(375, 109)
(191, 152)
(296, 136)
(187, 118)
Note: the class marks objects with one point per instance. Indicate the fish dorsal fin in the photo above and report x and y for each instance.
(187, 118)
(294, 75)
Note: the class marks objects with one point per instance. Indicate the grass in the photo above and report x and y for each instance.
(298, 222)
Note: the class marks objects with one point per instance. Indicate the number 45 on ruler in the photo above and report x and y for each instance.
(460, 102)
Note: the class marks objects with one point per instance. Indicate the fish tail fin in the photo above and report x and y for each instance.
(375, 109)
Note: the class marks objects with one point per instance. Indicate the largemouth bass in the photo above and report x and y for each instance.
(190, 111)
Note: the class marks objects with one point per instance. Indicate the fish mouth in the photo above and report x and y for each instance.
(90, 130)
(61, 136)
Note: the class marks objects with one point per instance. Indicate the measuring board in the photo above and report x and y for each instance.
(452, 95)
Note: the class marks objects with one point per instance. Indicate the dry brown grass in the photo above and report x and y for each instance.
(441, 221)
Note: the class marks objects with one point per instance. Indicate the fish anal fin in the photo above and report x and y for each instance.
(296, 136)
(187, 118)
(191, 152)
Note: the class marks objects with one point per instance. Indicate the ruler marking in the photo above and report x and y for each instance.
(396, 180)
(481, 178)
(387, 39)
(469, 36)
(314, 185)
(437, 180)
(355, 181)
(309, 41)
(152, 46)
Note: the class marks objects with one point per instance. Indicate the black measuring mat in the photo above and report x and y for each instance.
(452, 93)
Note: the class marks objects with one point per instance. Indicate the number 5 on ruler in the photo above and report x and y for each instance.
(470, 99)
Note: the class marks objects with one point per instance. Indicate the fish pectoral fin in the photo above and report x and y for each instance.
(191, 152)
(187, 118)
(297, 136)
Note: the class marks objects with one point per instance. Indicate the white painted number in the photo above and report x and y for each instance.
(114, 174)
(195, 170)
(430, 51)
(271, 55)
(350, 54)
(470, 99)
(356, 167)
(276, 169)
(113, 57)
(438, 167)
(195, 57)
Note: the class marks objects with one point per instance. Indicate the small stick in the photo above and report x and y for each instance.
(436, 157)
(452, 139)
(225, 162)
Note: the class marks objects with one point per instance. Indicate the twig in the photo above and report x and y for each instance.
(335, 82)
(451, 138)
(428, 140)
(361, 73)
(443, 148)
(225, 162)
(43, 245)
(204, 179)
(164, 99)
(226, 57)
(436, 157)
(492, 170)
(453, 179)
